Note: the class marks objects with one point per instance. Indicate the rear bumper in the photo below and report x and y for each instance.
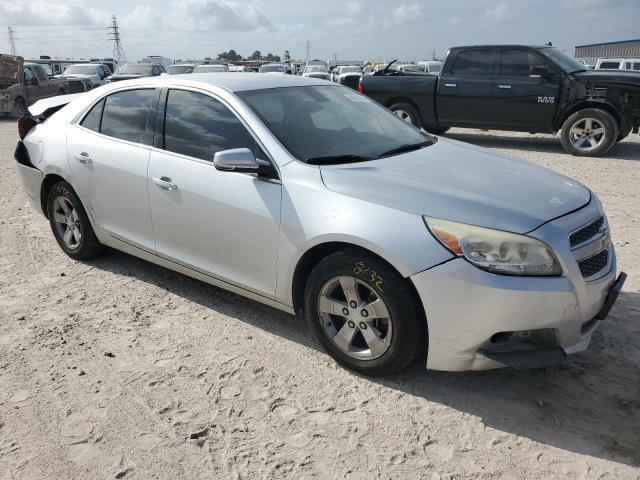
(31, 177)
(478, 320)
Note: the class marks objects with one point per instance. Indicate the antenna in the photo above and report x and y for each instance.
(114, 34)
(12, 41)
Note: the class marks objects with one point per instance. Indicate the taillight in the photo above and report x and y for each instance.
(25, 124)
(360, 89)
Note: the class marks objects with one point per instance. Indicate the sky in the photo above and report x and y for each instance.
(376, 30)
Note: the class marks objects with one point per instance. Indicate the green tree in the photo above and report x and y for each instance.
(256, 55)
(230, 56)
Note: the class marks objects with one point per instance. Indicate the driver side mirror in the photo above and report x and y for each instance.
(539, 72)
(240, 160)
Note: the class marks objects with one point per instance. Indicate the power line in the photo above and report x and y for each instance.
(114, 34)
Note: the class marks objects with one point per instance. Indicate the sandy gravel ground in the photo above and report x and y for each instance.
(117, 368)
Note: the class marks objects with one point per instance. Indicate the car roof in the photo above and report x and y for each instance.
(506, 45)
(237, 82)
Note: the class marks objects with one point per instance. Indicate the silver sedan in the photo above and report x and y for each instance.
(307, 196)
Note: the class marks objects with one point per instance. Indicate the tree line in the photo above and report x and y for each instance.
(233, 56)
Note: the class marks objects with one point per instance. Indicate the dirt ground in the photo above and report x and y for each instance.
(117, 368)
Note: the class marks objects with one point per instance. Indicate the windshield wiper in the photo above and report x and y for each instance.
(404, 148)
(334, 159)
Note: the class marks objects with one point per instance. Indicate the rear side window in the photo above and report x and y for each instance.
(125, 115)
(615, 65)
(518, 63)
(473, 62)
(198, 126)
(93, 118)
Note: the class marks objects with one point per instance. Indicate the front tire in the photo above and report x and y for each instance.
(363, 313)
(589, 133)
(407, 112)
(70, 224)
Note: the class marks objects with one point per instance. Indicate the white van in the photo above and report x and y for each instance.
(618, 64)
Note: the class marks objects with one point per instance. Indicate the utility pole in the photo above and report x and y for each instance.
(308, 47)
(12, 41)
(114, 34)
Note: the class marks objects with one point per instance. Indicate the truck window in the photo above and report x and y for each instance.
(473, 63)
(28, 76)
(614, 65)
(40, 73)
(518, 63)
(636, 66)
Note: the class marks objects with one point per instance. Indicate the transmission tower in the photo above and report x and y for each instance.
(12, 41)
(114, 34)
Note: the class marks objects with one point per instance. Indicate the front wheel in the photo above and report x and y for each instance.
(70, 224)
(589, 133)
(363, 313)
(407, 112)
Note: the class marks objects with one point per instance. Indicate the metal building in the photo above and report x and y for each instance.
(622, 49)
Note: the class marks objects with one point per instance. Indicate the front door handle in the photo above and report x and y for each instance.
(506, 87)
(165, 183)
(83, 158)
(452, 85)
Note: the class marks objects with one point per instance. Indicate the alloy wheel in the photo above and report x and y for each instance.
(67, 222)
(587, 134)
(404, 115)
(355, 318)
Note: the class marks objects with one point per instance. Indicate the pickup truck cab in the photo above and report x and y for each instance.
(23, 84)
(518, 88)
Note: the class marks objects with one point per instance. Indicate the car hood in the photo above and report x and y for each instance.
(462, 183)
(624, 77)
(10, 69)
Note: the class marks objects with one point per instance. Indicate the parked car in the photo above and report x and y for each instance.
(430, 66)
(94, 72)
(181, 68)
(316, 71)
(407, 67)
(22, 84)
(309, 197)
(111, 64)
(520, 88)
(618, 64)
(211, 68)
(341, 72)
(158, 60)
(136, 70)
(274, 68)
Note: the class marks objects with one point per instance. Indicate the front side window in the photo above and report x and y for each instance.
(125, 115)
(473, 63)
(198, 126)
(28, 76)
(518, 63)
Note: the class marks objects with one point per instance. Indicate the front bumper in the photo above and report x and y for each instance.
(470, 310)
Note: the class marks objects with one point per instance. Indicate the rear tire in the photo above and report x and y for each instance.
(382, 338)
(407, 112)
(589, 133)
(70, 224)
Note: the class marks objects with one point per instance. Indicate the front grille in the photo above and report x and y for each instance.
(592, 265)
(586, 233)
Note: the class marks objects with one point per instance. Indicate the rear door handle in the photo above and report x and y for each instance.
(453, 85)
(83, 158)
(506, 87)
(165, 183)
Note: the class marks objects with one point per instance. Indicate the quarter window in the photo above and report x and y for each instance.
(198, 126)
(473, 62)
(93, 118)
(518, 63)
(125, 115)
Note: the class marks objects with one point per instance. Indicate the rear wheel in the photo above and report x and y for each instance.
(70, 224)
(407, 112)
(363, 313)
(590, 133)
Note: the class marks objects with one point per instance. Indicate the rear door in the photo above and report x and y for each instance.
(522, 101)
(223, 224)
(108, 151)
(464, 88)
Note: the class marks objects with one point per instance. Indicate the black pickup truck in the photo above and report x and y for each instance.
(536, 89)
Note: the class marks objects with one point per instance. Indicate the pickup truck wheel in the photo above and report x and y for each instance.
(363, 313)
(589, 133)
(407, 113)
(19, 108)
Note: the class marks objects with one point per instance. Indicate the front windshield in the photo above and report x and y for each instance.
(271, 68)
(209, 68)
(564, 61)
(177, 69)
(80, 70)
(135, 69)
(328, 122)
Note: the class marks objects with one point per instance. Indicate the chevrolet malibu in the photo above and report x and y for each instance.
(307, 196)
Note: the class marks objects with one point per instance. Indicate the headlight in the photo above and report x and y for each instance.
(495, 250)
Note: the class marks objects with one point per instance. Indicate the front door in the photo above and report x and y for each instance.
(222, 224)
(520, 100)
(109, 157)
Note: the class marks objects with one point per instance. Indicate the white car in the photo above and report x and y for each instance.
(211, 68)
(618, 64)
(342, 72)
(316, 71)
(274, 69)
(309, 197)
(94, 72)
(430, 66)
